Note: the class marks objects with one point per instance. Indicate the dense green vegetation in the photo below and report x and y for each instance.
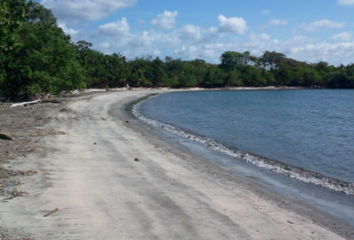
(37, 56)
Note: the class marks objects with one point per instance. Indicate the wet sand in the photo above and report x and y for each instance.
(111, 179)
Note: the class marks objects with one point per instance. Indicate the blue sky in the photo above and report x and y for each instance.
(306, 30)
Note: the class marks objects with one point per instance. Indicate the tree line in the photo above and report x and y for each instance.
(38, 57)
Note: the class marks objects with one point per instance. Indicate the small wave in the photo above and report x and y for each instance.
(270, 164)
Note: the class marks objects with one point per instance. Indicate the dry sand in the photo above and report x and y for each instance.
(110, 179)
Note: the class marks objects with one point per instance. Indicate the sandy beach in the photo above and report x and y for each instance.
(106, 177)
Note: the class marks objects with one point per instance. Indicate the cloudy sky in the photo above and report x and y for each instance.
(306, 30)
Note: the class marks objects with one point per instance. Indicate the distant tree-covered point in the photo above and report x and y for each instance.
(38, 57)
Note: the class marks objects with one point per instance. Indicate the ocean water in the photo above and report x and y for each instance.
(305, 134)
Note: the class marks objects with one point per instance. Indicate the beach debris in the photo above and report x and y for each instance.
(5, 137)
(51, 212)
(28, 173)
(63, 110)
(136, 159)
(94, 143)
(51, 101)
(25, 103)
(290, 222)
(15, 193)
(103, 119)
(127, 121)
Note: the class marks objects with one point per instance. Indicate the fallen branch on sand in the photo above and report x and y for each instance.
(51, 212)
(25, 103)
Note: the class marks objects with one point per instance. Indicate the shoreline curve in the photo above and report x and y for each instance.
(103, 192)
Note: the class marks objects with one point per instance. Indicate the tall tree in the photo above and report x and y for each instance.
(271, 60)
(235, 61)
(45, 61)
(12, 15)
(214, 77)
(159, 73)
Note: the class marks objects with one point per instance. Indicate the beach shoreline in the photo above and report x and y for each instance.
(110, 178)
(306, 199)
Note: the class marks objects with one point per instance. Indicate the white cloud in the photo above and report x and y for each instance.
(210, 35)
(264, 37)
(322, 23)
(152, 43)
(115, 29)
(145, 39)
(190, 32)
(232, 25)
(345, 36)
(257, 44)
(265, 12)
(337, 52)
(278, 22)
(192, 41)
(67, 30)
(260, 39)
(75, 34)
(165, 20)
(91, 10)
(197, 35)
(104, 45)
(300, 48)
(145, 42)
(303, 48)
(346, 2)
(209, 52)
(149, 39)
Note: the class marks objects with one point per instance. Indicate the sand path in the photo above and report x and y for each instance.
(103, 193)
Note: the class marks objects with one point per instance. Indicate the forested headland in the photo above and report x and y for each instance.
(38, 57)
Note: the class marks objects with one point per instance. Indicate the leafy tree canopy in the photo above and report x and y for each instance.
(37, 56)
(44, 60)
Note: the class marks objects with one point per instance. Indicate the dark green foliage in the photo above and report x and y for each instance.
(44, 60)
(37, 56)
(236, 69)
(159, 75)
(101, 70)
(12, 16)
(343, 78)
(233, 78)
(271, 60)
(213, 78)
(253, 77)
(237, 61)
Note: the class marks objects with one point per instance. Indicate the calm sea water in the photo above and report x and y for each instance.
(296, 132)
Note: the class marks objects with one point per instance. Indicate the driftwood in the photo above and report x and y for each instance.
(51, 212)
(25, 103)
